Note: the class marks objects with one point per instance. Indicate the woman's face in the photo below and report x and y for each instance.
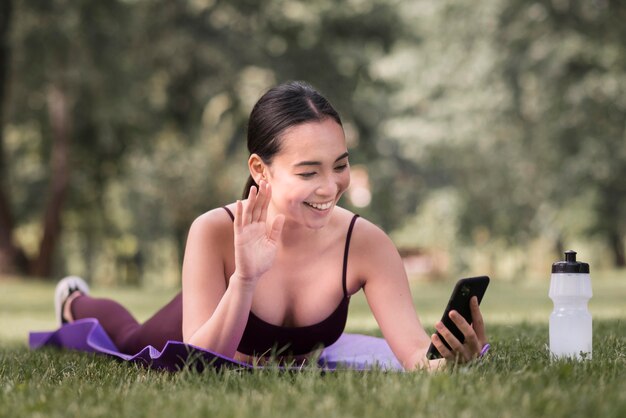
(310, 173)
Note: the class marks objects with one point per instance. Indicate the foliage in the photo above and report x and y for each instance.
(160, 92)
(504, 120)
(566, 69)
(518, 106)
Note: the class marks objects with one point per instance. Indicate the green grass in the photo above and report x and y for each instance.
(516, 379)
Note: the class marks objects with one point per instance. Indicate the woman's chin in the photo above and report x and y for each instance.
(317, 218)
(310, 221)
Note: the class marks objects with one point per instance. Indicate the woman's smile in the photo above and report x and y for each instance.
(320, 206)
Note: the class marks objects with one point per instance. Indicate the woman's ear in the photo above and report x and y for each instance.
(257, 168)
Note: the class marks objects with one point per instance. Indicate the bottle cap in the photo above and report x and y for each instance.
(570, 265)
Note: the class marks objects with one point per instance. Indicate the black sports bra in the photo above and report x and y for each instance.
(262, 338)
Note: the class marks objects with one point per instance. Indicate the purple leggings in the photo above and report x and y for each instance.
(129, 335)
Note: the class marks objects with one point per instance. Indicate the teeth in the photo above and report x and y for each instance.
(320, 206)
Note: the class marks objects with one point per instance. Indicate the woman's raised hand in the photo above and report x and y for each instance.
(256, 242)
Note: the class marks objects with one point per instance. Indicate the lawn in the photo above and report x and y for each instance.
(516, 379)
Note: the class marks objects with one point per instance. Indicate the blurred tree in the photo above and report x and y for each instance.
(153, 98)
(447, 119)
(62, 59)
(565, 65)
(518, 107)
(11, 256)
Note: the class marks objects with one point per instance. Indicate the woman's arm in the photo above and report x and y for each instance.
(214, 313)
(387, 290)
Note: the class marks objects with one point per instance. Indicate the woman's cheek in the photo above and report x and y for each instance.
(295, 192)
(344, 182)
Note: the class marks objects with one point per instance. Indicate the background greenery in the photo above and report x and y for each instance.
(492, 134)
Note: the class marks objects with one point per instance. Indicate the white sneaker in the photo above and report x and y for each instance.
(66, 287)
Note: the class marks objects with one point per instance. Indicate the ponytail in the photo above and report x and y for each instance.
(249, 184)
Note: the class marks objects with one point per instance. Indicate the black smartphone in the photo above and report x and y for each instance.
(459, 301)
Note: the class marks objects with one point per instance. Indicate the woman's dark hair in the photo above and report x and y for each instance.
(282, 107)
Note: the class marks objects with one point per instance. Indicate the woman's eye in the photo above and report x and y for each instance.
(306, 175)
(341, 167)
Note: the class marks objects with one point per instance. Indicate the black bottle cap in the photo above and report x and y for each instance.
(570, 265)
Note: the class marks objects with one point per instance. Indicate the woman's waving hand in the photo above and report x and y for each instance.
(256, 242)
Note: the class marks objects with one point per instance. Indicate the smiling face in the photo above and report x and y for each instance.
(310, 173)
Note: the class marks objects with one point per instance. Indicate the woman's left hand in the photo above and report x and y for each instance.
(475, 336)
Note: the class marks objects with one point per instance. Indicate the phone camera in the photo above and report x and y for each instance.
(465, 291)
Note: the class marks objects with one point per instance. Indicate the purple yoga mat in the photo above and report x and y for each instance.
(351, 351)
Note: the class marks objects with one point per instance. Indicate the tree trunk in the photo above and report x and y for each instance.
(59, 180)
(12, 258)
(617, 245)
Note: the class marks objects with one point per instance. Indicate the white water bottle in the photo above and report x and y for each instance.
(570, 321)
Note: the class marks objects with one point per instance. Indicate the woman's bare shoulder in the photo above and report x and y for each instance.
(215, 222)
(364, 230)
(370, 243)
(209, 240)
(373, 255)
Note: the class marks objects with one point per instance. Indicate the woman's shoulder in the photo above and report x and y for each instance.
(365, 233)
(373, 255)
(215, 221)
(369, 244)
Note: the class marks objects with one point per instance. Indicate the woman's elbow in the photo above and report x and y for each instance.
(189, 336)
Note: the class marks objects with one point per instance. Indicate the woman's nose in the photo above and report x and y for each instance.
(327, 187)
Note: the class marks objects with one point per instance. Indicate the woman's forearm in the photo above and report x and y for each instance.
(222, 332)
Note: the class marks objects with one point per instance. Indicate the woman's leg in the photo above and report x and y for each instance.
(128, 335)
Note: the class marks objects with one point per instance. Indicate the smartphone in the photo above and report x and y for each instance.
(459, 301)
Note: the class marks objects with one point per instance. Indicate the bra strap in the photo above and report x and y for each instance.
(229, 213)
(345, 257)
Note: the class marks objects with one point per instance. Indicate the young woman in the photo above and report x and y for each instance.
(273, 274)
